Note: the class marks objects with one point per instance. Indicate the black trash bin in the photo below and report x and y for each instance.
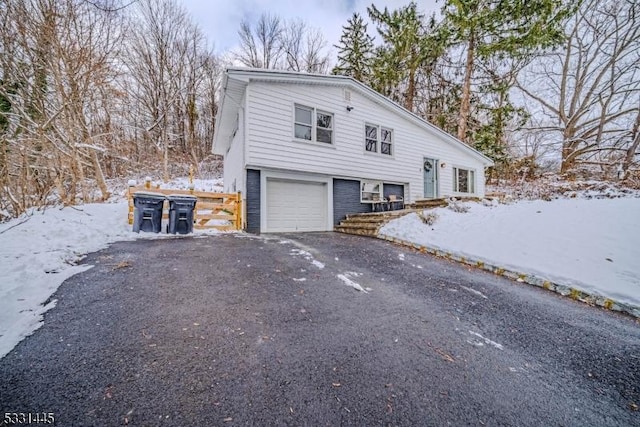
(147, 211)
(181, 210)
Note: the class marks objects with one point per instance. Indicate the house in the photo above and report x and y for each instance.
(305, 150)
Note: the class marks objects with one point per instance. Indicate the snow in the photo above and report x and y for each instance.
(590, 244)
(182, 183)
(41, 250)
(473, 291)
(486, 341)
(346, 279)
(307, 255)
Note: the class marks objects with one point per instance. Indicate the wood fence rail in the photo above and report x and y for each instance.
(221, 211)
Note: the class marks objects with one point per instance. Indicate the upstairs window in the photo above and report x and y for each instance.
(464, 181)
(303, 123)
(378, 139)
(324, 127)
(313, 125)
(385, 141)
(371, 138)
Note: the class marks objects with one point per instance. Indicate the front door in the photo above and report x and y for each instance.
(430, 178)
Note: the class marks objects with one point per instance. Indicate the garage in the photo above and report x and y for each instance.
(296, 205)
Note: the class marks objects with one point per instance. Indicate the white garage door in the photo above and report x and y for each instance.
(296, 206)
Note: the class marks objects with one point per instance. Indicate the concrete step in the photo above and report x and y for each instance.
(374, 216)
(367, 224)
(429, 203)
(364, 219)
(362, 225)
(356, 231)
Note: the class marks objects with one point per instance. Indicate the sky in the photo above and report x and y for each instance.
(220, 19)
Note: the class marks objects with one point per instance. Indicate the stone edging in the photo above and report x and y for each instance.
(530, 279)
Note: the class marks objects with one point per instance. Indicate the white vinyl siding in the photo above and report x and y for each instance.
(271, 116)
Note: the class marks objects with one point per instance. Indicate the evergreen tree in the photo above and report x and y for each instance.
(410, 42)
(500, 29)
(355, 51)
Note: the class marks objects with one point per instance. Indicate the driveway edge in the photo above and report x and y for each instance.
(531, 279)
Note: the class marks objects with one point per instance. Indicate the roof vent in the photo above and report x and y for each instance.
(347, 95)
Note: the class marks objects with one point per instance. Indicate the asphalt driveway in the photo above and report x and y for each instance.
(243, 330)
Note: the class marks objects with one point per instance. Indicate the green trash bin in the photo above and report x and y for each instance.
(181, 212)
(147, 211)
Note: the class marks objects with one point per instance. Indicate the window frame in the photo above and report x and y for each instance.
(390, 143)
(314, 124)
(331, 129)
(379, 140)
(367, 139)
(376, 196)
(471, 180)
(297, 123)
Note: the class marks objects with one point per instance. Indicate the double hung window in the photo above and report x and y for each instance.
(378, 139)
(311, 124)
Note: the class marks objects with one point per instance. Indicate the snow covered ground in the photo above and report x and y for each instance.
(39, 251)
(590, 244)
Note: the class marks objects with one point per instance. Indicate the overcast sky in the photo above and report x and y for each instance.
(220, 19)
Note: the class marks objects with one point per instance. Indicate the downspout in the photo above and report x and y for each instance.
(245, 149)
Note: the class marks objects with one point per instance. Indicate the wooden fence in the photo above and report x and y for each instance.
(221, 211)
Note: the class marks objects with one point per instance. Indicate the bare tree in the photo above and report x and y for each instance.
(632, 150)
(78, 104)
(589, 89)
(304, 48)
(57, 70)
(260, 46)
(167, 68)
(276, 44)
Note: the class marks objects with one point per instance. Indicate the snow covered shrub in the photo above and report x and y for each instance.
(428, 218)
(458, 207)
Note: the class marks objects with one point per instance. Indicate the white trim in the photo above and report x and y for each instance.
(391, 143)
(293, 176)
(311, 112)
(377, 137)
(314, 125)
(246, 112)
(372, 182)
(455, 180)
(436, 176)
(379, 141)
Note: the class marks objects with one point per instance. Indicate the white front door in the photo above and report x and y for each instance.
(296, 205)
